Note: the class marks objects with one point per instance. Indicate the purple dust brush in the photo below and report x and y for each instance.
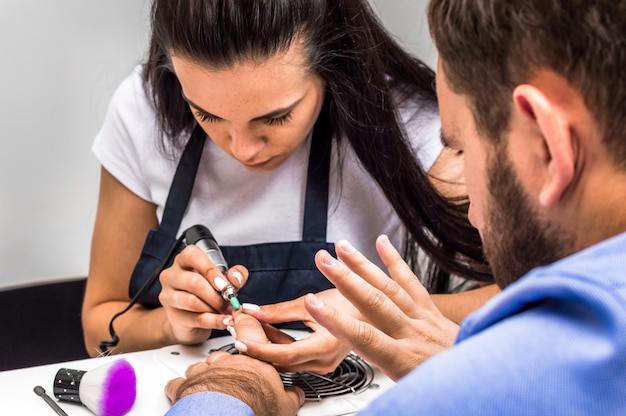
(108, 390)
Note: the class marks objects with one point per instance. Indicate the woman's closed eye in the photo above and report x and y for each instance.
(270, 121)
(278, 121)
(206, 117)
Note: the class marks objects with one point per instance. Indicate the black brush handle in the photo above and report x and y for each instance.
(39, 391)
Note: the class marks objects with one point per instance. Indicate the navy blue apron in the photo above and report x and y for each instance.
(278, 271)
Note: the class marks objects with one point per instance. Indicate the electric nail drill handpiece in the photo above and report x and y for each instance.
(200, 236)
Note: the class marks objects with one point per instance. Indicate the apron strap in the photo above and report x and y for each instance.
(317, 184)
(182, 184)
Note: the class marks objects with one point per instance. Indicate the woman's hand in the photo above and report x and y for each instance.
(191, 295)
(401, 327)
(320, 352)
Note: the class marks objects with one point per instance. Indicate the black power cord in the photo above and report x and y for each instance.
(115, 339)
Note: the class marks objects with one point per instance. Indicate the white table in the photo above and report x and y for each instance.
(153, 368)
(17, 396)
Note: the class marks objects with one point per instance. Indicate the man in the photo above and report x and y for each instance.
(533, 93)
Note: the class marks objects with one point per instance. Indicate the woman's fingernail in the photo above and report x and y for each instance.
(241, 347)
(384, 239)
(228, 321)
(238, 276)
(250, 307)
(231, 331)
(219, 283)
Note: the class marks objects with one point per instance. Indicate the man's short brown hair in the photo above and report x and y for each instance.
(488, 47)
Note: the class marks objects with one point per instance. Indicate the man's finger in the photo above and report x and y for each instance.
(371, 302)
(293, 400)
(248, 327)
(288, 311)
(172, 387)
(364, 339)
(373, 275)
(404, 276)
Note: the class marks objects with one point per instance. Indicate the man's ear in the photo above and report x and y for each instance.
(533, 105)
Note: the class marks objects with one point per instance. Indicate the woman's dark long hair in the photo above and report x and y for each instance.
(361, 64)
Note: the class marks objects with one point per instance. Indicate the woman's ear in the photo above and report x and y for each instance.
(558, 165)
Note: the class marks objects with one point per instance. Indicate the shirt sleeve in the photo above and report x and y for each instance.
(555, 358)
(126, 139)
(209, 404)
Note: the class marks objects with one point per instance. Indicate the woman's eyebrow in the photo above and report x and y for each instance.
(271, 114)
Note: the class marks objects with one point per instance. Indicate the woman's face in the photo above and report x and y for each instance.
(257, 112)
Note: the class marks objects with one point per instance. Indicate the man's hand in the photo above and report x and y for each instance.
(401, 326)
(254, 382)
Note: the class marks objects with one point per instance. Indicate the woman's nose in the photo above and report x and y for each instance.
(244, 144)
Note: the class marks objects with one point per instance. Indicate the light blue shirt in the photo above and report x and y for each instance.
(553, 342)
(210, 404)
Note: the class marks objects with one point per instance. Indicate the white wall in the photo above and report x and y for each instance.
(407, 20)
(60, 62)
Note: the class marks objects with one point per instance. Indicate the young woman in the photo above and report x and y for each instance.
(281, 126)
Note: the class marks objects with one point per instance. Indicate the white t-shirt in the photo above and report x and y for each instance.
(242, 207)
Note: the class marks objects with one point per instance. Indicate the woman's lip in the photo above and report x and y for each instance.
(257, 165)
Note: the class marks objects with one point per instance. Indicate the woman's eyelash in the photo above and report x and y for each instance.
(204, 117)
(274, 121)
(278, 121)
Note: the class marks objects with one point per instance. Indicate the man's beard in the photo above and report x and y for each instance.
(516, 238)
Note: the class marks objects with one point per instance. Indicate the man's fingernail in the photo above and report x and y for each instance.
(346, 246)
(327, 259)
(250, 307)
(315, 301)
